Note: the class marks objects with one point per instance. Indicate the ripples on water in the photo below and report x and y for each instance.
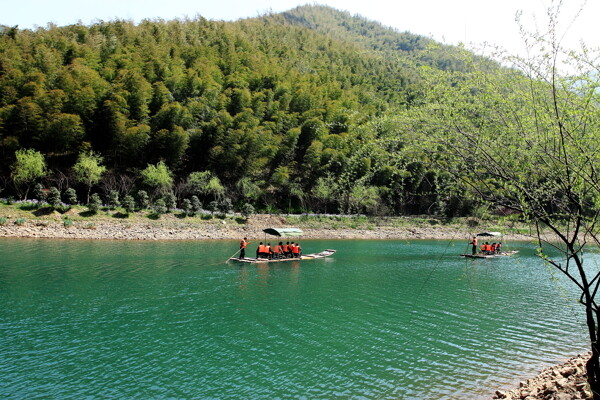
(379, 320)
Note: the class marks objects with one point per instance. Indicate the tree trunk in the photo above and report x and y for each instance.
(593, 377)
(593, 364)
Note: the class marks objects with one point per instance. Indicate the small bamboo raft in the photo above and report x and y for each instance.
(495, 255)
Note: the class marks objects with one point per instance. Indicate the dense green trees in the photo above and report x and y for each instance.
(270, 108)
(267, 107)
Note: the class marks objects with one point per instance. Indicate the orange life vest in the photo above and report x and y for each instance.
(243, 244)
(296, 249)
(277, 249)
(286, 248)
(263, 249)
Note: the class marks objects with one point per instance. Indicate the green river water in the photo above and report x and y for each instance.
(378, 320)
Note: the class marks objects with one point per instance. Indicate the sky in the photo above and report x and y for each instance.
(471, 22)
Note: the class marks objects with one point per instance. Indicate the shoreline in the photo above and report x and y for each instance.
(173, 228)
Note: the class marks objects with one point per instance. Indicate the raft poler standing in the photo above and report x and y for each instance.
(243, 244)
(474, 243)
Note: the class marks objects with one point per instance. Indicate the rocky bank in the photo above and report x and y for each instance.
(561, 382)
(170, 228)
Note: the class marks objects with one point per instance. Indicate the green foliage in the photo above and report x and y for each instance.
(53, 198)
(20, 221)
(363, 199)
(247, 210)
(128, 204)
(188, 210)
(225, 206)
(88, 170)
(71, 196)
(258, 110)
(213, 206)
(158, 177)
(159, 207)
(170, 201)
(67, 222)
(113, 200)
(3, 221)
(143, 200)
(196, 205)
(248, 189)
(205, 183)
(29, 166)
(38, 192)
(94, 204)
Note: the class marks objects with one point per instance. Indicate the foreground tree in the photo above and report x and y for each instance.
(28, 167)
(528, 141)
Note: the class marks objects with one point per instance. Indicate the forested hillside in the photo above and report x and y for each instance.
(290, 112)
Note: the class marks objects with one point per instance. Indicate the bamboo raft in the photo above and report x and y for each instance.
(496, 255)
(312, 256)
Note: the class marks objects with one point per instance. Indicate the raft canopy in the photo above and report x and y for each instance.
(283, 232)
(490, 234)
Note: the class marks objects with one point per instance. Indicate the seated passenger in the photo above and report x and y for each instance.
(287, 250)
(295, 250)
(278, 251)
(262, 251)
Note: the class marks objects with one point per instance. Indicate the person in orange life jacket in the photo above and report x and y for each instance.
(287, 250)
(474, 243)
(262, 251)
(296, 250)
(485, 248)
(270, 250)
(278, 250)
(243, 245)
(499, 247)
(488, 248)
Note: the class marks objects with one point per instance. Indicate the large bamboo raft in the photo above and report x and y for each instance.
(312, 256)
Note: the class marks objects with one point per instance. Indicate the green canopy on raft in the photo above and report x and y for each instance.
(489, 234)
(283, 232)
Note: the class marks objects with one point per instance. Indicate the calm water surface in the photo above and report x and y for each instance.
(378, 320)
